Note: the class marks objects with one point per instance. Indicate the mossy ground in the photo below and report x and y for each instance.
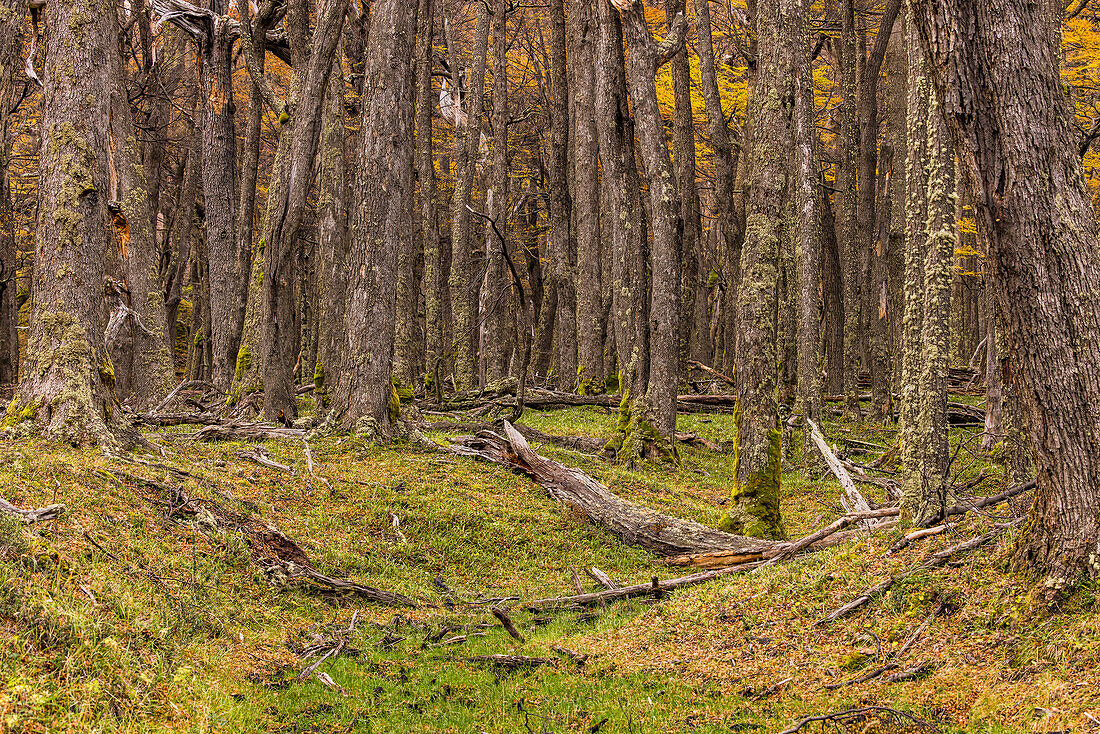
(166, 628)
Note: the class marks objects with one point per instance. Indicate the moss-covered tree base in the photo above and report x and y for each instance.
(636, 436)
(754, 510)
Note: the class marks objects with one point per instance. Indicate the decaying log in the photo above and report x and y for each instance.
(245, 432)
(661, 534)
(28, 516)
(996, 499)
(177, 419)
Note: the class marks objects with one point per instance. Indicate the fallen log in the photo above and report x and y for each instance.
(661, 534)
(855, 501)
(712, 372)
(177, 419)
(245, 432)
(28, 516)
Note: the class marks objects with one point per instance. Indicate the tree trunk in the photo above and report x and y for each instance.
(381, 224)
(497, 203)
(562, 258)
(463, 281)
(1019, 148)
(67, 385)
(426, 188)
(757, 459)
(658, 406)
(286, 203)
(847, 182)
(591, 370)
(12, 21)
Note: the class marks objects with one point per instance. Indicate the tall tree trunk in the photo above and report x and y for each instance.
(562, 257)
(626, 218)
(67, 383)
(365, 398)
(847, 182)
(1018, 147)
(658, 406)
(463, 281)
(286, 203)
(591, 369)
(757, 458)
(497, 206)
(426, 188)
(12, 22)
(151, 372)
(332, 241)
(804, 183)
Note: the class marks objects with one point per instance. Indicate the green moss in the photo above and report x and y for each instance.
(395, 405)
(107, 372)
(404, 394)
(613, 383)
(16, 414)
(755, 511)
(318, 375)
(244, 362)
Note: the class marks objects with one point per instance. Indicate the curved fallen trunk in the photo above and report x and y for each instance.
(661, 534)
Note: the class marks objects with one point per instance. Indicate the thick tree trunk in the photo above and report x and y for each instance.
(382, 217)
(658, 405)
(847, 182)
(67, 384)
(1018, 149)
(463, 280)
(757, 457)
(497, 204)
(562, 258)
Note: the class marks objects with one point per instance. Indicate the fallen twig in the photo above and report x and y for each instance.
(856, 713)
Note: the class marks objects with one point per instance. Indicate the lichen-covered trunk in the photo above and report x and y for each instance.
(1018, 147)
(804, 181)
(591, 369)
(381, 223)
(66, 388)
(12, 25)
(847, 183)
(757, 459)
(666, 225)
(179, 239)
(432, 283)
(145, 346)
(562, 257)
(463, 280)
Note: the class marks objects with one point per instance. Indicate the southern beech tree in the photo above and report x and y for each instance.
(317, 211)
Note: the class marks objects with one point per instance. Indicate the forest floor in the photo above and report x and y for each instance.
(126, 615)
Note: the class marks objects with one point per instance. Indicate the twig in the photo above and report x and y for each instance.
(506, 622)
(852, 713)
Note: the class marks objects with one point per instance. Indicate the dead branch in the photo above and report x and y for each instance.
(856, 715)
(245, 432)
(863, 678)
(712, 372)
(855, 501)
(509, 662)
(636, 525)
(506, 622)
(261, 456)
(28, 516)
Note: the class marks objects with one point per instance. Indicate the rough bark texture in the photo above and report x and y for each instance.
(645, 57)
(432, 283)
(562, 258)
(1017, 148)
(847, 182)
(591, 371)
(292, 177)
(496, 205)
(757, 457)
(67, 384)
(381, 223)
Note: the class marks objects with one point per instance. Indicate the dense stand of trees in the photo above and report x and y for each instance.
(387, 199)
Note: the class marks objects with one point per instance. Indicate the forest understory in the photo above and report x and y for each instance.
(154, 602)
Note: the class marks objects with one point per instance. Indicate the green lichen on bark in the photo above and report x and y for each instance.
(636, 436)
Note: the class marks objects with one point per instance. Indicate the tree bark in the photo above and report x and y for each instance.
(67, 383)
(562, 257)
(1018, 150)
(847, 182)
(12, 23)
(382, 217)
(757, 458)
(497, 203)
(426, 188)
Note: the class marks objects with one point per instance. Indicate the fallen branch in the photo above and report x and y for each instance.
(509, 662)
(506, 622)
(28, 516)
(937, 559)
(261, 456)
(857, 713)
(855, 501)
(863, 678)
(245, 432)
(712, 372)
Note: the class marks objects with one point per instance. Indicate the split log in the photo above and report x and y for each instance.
(661, 534)
(28, 516)
(855, 501)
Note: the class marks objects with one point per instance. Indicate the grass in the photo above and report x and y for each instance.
(120, 617)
